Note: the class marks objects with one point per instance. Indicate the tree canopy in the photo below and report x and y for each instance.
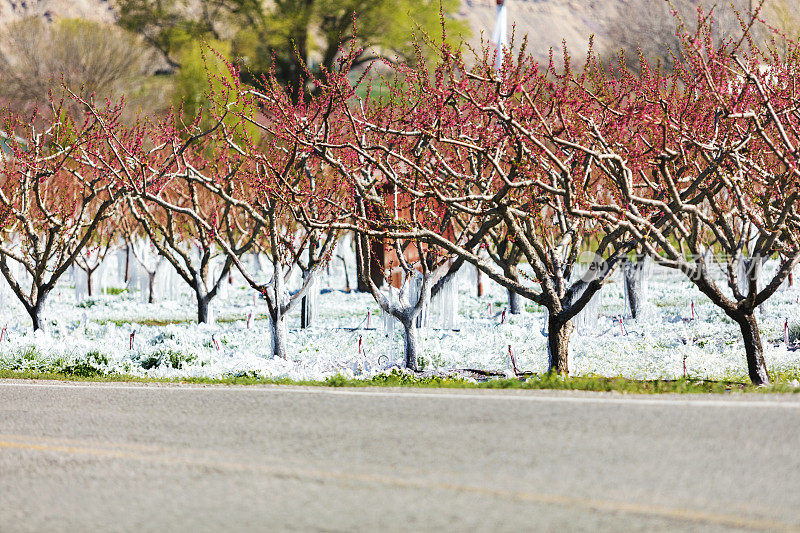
(291, 36)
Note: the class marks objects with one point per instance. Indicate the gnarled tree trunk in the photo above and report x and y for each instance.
(515, 304)
(754, 351)
(306, 312)
(89, 273)
(202, 309)
(279, 334)
(411, 343)
(35, 311)
(558, 334)
(151, 280)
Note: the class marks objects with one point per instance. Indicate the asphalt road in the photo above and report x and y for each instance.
(89, 457)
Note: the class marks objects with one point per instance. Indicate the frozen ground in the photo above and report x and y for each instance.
(95, 334)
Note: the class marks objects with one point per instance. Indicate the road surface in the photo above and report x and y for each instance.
(131, 457)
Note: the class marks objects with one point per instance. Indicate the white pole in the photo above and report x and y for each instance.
(500, 34)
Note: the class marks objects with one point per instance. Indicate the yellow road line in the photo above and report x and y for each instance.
(106, 450)
(82, 442)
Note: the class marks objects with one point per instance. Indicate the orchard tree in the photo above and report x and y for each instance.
(51, 203)
(186, 221)
(302, 197)
(102, 243)
(365, 145)
(287, 193)
(468, 152)
(712, 165)
(165, 166)
(280, 196)
(138, 248)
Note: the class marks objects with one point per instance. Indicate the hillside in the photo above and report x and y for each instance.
(614, 23)
(88, 9)
(546, 22)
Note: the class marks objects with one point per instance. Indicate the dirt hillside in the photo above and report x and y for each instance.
(88, 9)
(546, 22)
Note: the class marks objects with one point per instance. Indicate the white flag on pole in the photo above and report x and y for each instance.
(500, 34)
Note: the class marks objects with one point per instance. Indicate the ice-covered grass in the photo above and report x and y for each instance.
(115, 332)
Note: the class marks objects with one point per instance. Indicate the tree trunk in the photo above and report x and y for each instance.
(306, 312)
(376, 256)
(35, 312)
(89, 273)
(151, 283)
(36, 318)
(278, 336)
(480, 283)
(127, 263)
(558, 333)
(202, 309)
(411, 344)
(514, 303)
(361, 284)
(754, 351)
(346, 276)
(631, 285)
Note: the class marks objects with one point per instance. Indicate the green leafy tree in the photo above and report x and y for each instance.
(203, 86)
(289, 35)
(199, 76)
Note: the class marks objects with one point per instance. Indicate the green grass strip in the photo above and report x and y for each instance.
(400, 379)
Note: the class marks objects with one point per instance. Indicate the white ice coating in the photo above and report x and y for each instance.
(390, 323)
(124, 260)
(586, 322)
(402, 297)
(636, 281)
(652, 348)
(444, 306)
(588, 319)
(312, 296)
(6, 295)
(102, 267)
(414, 293)
(81, 284)
(145, 261)
(743, 281)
